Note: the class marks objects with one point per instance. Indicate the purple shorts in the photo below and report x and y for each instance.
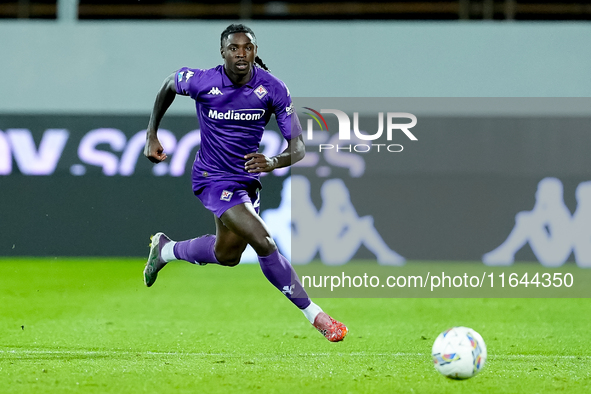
(218, 196)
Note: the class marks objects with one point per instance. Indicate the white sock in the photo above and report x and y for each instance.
(167, 252)
(311, 312)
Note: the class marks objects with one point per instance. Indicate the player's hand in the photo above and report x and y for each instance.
(257, 162)
(154, 150)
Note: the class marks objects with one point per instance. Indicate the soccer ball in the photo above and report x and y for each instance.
(459, 353)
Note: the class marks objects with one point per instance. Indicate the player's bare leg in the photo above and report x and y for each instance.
(229, 246)
(243, 221)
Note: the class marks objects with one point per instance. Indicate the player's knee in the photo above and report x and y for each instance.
(229, 258)
(230, 263)
(264, 246)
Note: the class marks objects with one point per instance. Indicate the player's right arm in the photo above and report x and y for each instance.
(153, 149)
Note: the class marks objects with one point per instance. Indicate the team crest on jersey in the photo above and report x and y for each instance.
(260, 91)
(215, 91)
(226, 195)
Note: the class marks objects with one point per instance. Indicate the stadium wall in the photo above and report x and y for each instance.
(116, 67)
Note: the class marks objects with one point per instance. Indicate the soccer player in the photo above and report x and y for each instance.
(234, 102)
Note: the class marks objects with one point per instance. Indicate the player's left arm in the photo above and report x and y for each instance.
(258, 162)
(291, 129)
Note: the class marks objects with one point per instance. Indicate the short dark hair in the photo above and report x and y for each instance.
(240, 28)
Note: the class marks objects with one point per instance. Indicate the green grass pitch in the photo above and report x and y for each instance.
(91, 326)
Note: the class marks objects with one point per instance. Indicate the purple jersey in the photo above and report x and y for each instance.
(233, 118)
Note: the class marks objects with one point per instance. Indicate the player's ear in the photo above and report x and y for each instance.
(222, 52)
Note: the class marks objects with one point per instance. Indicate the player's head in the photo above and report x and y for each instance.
(238, 46)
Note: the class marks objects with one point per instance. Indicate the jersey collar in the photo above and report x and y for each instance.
(226, 81)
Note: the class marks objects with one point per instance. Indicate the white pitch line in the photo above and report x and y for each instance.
(234, 355)
(538, 356)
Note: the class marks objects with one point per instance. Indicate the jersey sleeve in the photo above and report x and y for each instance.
(284, 110)
(187, 81)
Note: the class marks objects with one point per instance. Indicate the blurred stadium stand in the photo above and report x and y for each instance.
(304, 10)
